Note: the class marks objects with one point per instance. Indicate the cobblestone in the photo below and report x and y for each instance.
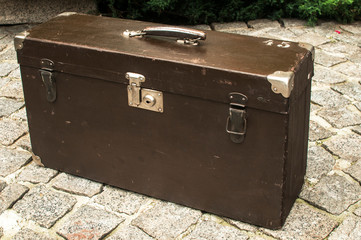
(209, 229)
(355, 171)
(341, 117)
(340, 49)
(36, 174)
(8, 55)
(348, 68)
(21, 114)
(10, 194)
(130, 232)
(44, 205)
(8, 106)
(120, 201)
(351, 89)
(89, 223)
(76, 185)
(326, 59)
(3, 82)
(3, 184)
(304, 222)
(202, 27)
(263, 24)
(357, 212)
(11, 130)
(333, 193)
(13, 89)
(317, 132)
(313, 38)
(354, 28)
(328, 98)
(326, 75)
(166, 220)
(291, 22)
(345, 146)
(349, 229)
(314, 107)
(6, 68)
(241, 225)
(282, 34)
(15, 73)
(320, 162)
(24, 143)
(357, 129)
(12, 159)
(229, 27)
(28, 234)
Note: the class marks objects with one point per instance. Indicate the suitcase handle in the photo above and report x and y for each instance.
(185, 35)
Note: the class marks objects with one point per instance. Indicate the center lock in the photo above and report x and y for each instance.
(141, 97)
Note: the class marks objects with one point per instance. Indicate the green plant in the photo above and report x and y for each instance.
(207, 11)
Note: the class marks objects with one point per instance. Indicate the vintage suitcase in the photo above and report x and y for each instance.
(220, 126)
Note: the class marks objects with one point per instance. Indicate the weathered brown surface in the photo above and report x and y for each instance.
(90, 130)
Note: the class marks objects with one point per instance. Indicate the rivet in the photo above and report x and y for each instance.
(275, 89)
(159, 109)
(159, 94)
(126, 76)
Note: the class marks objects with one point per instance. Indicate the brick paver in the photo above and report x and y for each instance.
(37, 202)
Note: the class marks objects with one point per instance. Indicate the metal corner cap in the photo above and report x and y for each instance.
(19, 39)
(309, 47)
(66, 14)
(282, 82)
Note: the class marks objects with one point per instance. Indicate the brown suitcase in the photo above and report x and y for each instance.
(221, 126)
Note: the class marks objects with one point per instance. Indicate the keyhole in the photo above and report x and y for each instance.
(149, 100)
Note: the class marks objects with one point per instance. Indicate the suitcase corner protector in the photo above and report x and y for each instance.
(282, 82)
(19, 39)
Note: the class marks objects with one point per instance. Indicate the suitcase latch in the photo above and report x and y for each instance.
(141, 97)
(48, 79)
(236, 122)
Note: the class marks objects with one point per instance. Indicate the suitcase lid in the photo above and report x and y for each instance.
(267, 71)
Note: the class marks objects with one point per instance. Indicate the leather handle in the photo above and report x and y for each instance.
(184, 35)
(177, 32)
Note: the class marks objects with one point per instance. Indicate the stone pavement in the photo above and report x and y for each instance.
(41, 203)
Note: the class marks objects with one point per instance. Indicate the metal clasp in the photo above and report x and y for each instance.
(48, 79)
(236, 122)
(134, 87)
(140, 97)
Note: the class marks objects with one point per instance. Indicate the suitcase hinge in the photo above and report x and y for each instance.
(237, 123)
(140, 97)
(47, 76)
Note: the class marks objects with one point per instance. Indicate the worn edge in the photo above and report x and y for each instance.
(282, 82)
(66, 14)
(19, 39)
(309, 47)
